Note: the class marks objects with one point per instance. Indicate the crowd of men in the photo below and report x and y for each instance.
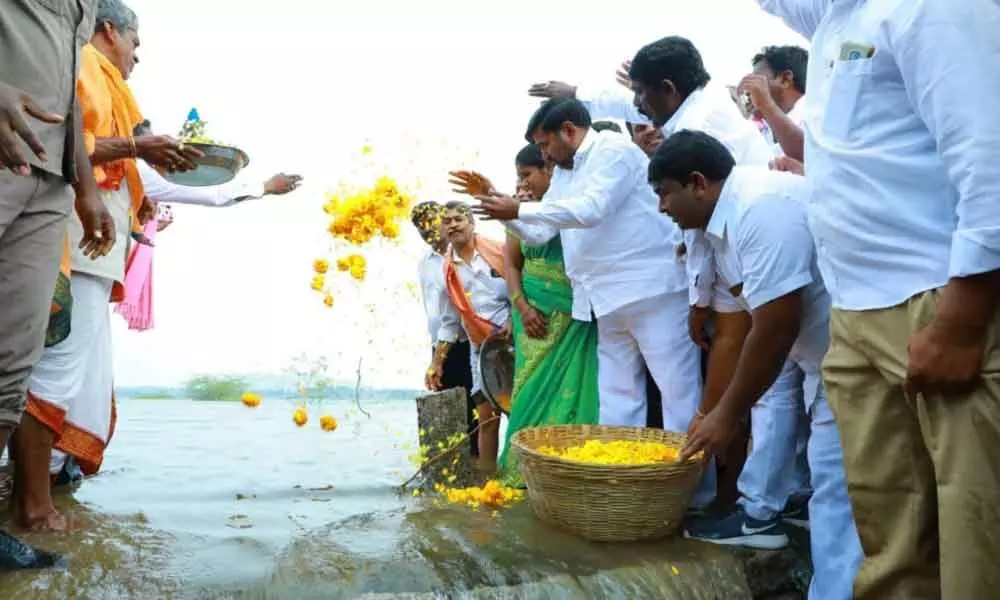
(837, 255)
(831, 236)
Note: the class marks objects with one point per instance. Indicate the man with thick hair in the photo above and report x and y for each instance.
(755, 220)
(671, 91)
(777, 90)
(620, 259)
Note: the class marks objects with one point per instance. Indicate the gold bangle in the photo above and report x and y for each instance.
(515, 298)
(133, 151)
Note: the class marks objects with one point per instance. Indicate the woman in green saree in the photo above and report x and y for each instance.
(555, 364)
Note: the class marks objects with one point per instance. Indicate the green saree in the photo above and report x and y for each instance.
(555, 381)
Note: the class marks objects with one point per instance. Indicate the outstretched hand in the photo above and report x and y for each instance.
(471, 183)
(496, 208)
(621, 75)
(712, 435)
(553, 90)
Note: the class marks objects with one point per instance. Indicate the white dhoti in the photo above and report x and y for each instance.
(71, 389)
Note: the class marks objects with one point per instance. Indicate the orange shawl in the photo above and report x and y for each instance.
(109, 110)
(476, 327)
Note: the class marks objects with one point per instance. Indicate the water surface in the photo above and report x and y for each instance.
(215, 500)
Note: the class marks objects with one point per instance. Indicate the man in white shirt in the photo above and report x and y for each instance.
(456, 370)
(620, 258)
(777, 89)
(901, 153)
(756, 221)
(479, 304)
(672, 91)
(159, 189)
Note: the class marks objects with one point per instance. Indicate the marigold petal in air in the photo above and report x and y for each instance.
(300, 417)
(321, 265)
(250, 400)
(327, 423)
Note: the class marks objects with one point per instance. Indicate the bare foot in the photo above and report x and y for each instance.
(50, 521)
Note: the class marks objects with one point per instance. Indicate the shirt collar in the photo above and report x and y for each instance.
(589, 139)
(455, 258)
(673, 123)
(724, 209)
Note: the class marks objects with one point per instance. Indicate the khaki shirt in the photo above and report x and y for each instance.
(40, 43)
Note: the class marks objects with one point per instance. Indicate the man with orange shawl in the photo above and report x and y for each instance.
(70, 391)
(479, 304)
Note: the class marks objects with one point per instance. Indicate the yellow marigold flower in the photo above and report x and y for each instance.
(300, 416)
(250, 400)
(318, 282)
(615, 453)
(328, 423)
(328, 301)
(321, 265)
(366, 150)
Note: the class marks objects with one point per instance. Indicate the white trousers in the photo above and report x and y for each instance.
(834, 542)
(655, 332)
(776, 468)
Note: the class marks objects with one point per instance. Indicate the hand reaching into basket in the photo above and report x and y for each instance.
(713, 435)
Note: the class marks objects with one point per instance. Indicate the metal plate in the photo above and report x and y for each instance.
(219, 165)
(496, 371)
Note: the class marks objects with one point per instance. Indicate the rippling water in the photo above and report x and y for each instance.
(206, 494)
(214, 500)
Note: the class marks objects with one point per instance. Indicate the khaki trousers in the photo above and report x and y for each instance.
(923, 474)
(33, 213)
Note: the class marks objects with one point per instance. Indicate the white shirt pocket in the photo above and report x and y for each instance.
(846, 83)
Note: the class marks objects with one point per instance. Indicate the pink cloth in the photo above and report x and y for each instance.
(137, 307)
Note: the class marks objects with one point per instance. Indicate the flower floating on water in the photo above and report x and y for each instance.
(616, 453)
(300, 416)
(355, 264)
(321, 265)
(492, 494)
(250, 400)
(328, 423)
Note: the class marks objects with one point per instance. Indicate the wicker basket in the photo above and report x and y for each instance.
(606, 503)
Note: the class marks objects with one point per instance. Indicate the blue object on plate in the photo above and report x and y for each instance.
(219, 165)
(193, 115)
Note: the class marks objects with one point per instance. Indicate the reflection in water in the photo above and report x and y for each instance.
(216, 500)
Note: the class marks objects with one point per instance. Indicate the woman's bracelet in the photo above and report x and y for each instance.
(515, 298)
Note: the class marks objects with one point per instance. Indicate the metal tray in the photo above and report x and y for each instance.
(219, 165)
(496, 370)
